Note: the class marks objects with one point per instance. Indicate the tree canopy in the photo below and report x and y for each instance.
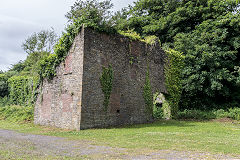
(42, 41)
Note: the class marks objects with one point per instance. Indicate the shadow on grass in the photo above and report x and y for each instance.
(155, 124)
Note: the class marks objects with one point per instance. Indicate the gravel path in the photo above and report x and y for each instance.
(28, 146)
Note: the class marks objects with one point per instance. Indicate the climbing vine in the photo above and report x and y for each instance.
(106, 80)
(173, 72)
(147, 93)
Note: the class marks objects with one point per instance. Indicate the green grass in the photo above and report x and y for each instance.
(213, 137)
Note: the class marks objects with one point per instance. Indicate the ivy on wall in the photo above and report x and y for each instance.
(106, 80)
(173, 79)
(23, 90)
(147, 93)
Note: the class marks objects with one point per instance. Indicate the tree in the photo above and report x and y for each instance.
(42, 41)
(18, 67)
(32, 63)
(91, 11)
(4, 82)
(3, 85)
(211, 76)
(167, 18)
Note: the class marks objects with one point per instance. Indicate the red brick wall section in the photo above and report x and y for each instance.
(46, 105)
(67, 101)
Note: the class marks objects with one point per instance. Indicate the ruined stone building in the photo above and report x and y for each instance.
(74, 98)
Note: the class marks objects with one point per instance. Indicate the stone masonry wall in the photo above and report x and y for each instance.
(74, 98)
(130, 64)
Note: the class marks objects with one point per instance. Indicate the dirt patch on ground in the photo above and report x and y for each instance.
(28, 146)
(223, 120)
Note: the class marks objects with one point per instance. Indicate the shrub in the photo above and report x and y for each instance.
(234, 113)
(3, 85)
(17, 113)
(157, 112)
(220, 113)
(161, 108)
(196, 114)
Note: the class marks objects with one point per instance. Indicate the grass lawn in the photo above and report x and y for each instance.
(213, 137)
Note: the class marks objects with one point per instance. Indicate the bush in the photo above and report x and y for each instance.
(157, 112)
(220, 113)
(196, 114)
(161, 108)
(3, 85)
(233, 113)
(17, 113)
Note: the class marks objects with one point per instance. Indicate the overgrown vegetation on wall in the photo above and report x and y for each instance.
(147, 93)
(173, 79)
(91, 14)
(106, 80)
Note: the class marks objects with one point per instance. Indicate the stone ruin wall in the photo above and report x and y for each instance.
(59, 101)
(74, 98)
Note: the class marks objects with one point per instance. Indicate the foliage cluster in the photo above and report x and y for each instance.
(173, 79)
(194, 114)
(42, 41)
(17, 113)
(4, 76)
(23, 90)
(3, 85)
(233, 113)
(157, 112)
(106, 81)
(166, 19)
(157, 109)
(210, 78)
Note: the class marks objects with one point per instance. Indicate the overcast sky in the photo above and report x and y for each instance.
(21, 18)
